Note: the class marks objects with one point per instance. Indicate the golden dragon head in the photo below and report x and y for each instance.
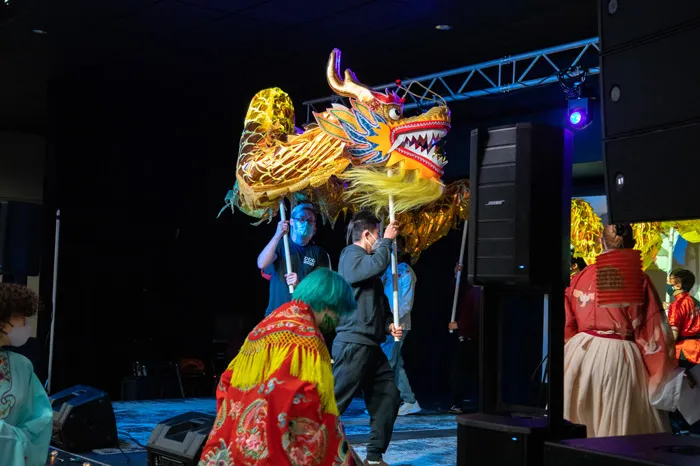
(374, 130)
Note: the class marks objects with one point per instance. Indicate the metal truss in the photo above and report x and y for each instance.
(493, 77)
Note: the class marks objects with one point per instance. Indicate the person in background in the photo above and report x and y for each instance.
(26, 416)
(670, 290)
(359, 362)
(577, 265)
(464, 348)
(684, 318)
(275, 402)
(391, 347)
(616, 359)
(304, 254)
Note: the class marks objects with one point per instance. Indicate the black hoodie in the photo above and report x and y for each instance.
(369, 323)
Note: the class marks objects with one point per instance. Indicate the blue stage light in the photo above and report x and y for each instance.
(578, 117)
(575, 117)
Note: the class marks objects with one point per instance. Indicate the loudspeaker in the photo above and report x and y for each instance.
(505, 440)
(520, 204)
(83, 420)
(179, 441)
(632, 450)
(651, 119)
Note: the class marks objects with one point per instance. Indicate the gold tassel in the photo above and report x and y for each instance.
(257, 361)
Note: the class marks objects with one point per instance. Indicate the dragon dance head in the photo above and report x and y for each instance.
(374, 130)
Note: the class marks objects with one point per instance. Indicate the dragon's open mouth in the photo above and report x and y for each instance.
(418, 141)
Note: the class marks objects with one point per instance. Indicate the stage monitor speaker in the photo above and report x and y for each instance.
(520, 204)
(505, 440)
(179, 441)
(630, 450)
(83, 420)
(651, 118)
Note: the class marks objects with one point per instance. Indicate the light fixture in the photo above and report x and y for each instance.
(571, 83)
(578, 113)
(443, 27)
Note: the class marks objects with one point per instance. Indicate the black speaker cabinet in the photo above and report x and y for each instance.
(633, 450)
(520, 203)
(83, 420)
(179, 441)
(651, 118)
(484, 439)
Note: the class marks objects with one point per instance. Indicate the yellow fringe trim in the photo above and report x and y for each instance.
(370, 188)
(310, 362)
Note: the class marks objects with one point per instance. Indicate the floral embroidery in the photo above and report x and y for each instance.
(303, 439)
(282, 420)
(299, 398)
(7, 401)
(235, 411)
(584, 298)
(251, 433)
(221, 415)
(220, 456)
(652, 346)
(343, 446)
(266, 389)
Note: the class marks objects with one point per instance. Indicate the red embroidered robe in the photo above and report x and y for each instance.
(275, 402)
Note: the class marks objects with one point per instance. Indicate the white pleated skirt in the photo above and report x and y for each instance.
(606, 388)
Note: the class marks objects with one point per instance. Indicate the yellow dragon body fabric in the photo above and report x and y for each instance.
(351, 158)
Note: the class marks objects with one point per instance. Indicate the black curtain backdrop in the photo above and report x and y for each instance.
(139, 165)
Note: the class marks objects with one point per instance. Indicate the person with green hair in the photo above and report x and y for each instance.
(275, 402)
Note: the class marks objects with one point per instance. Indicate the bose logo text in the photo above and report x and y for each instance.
(491, 203)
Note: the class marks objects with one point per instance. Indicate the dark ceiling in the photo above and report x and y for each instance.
(255, 43)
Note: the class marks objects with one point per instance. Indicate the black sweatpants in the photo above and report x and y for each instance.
(366, 367)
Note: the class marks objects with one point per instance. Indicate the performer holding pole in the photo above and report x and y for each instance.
(458, 276)
(359, 362)
(394, 266)
(301, 255)
(288, 261)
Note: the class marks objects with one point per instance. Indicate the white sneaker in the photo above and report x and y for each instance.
(409, 408)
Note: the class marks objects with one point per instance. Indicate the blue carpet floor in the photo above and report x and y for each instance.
(420, 440)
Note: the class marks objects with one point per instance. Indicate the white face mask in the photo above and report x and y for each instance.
(19, 335)
(375, 245)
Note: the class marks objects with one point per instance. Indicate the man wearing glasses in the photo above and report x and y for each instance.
(304, 254)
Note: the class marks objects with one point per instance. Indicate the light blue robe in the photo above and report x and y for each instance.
(26, 416)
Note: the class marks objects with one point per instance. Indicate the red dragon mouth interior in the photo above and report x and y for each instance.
(418, 141)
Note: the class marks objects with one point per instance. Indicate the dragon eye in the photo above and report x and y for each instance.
(394, 113)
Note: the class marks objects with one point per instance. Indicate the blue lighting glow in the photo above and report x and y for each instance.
(515, 439)
(575, 117)
(521, 266)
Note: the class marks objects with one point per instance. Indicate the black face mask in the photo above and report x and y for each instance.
(328, 324)
(670, 289)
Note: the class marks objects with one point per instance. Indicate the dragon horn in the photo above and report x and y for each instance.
(348, 87)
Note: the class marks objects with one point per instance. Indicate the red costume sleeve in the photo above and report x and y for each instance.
(679, 311)
(308, 435)
(652, 335)
(570, 327)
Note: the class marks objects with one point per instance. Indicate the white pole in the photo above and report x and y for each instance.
(288, 259)
(458, 279)
(53, 298)
(394, 266)
(671, 241)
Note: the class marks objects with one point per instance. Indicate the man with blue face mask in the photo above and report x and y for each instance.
(304, 254)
